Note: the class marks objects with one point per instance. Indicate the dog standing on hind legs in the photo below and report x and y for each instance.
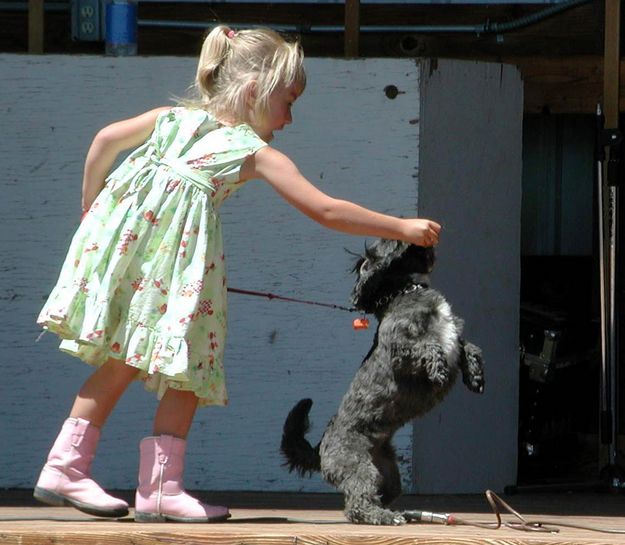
(417, 353)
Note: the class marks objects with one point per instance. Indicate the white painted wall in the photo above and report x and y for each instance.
(348, 138)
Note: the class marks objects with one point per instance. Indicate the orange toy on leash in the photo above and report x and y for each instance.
(361, 323)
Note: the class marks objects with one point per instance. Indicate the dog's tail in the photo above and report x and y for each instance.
(300, 455)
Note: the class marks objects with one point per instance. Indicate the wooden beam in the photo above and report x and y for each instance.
(556, 85)
(35, 27)
(572, 85)
(352, 28)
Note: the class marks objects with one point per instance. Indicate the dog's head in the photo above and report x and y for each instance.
(388, 267)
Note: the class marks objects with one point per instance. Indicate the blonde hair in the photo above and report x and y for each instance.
(232, 61)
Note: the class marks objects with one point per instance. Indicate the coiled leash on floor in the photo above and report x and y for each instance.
(521, 524)
(498, 506)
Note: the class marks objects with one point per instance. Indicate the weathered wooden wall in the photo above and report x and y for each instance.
(348, 138)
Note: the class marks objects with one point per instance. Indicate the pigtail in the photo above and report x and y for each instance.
(214, 52)
(230, 61)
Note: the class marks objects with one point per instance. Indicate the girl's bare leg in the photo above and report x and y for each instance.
(175, 413)
(102, 390)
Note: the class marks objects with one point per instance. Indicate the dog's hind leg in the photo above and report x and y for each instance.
(363, 507)
(346, 462)
(472, 367)
(384, 459)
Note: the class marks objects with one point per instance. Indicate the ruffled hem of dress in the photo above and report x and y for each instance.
(164, 360)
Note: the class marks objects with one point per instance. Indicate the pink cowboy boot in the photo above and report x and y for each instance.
(160, 495)
(65, 479)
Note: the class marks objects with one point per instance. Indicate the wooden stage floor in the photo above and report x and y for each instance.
(316, 519)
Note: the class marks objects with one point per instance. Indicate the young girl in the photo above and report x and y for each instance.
(142, 292)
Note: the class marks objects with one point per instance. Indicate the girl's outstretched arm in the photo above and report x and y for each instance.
(107, 144)
(282, 174)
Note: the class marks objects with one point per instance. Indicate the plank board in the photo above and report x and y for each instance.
(43, 526)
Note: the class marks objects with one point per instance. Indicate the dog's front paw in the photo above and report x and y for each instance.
(434, 363)
(473, 368)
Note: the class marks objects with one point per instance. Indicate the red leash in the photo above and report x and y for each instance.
(289, 299)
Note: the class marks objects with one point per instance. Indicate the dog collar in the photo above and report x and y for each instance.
(419, 282)
(414, 287)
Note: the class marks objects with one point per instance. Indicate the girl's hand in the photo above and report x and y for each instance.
(422, 232)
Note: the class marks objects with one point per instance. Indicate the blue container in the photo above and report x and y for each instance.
(121, 28)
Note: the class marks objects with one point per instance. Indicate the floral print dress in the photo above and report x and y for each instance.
(144, 279)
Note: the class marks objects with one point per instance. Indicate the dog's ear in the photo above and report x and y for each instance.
(372, 271)
(358, 260)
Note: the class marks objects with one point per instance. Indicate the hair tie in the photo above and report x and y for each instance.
(230, 34)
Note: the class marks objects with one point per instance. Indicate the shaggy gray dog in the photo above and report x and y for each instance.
(416, 355)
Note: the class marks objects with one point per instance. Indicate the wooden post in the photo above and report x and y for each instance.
(35, 26)
(611, 63)
(609, 198)
(352, 27)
